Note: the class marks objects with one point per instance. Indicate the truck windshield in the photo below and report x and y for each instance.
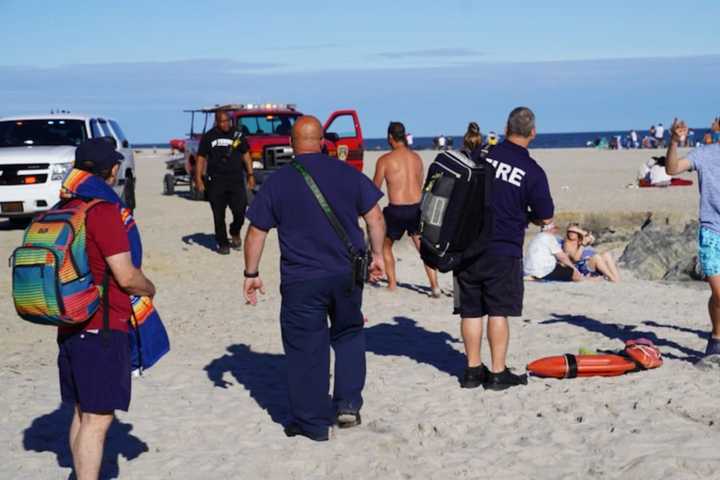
(266, 124)
(47, 132)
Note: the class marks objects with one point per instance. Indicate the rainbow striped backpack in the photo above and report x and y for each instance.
(52, 281)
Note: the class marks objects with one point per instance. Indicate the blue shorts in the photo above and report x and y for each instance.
(709, 252)
(95, 371)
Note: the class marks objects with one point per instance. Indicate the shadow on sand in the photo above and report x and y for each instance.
(206, 240)
(704, 334)
(617, 331)
(264, 375)
(407, 339)
(413, 287)
(49, 433)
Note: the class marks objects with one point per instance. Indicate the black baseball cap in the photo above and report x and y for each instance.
(97, 155)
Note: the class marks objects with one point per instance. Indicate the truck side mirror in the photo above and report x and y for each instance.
(125, 144)
(332, 137)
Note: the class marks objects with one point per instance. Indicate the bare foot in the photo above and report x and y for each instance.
(392, 287)
(436, 293)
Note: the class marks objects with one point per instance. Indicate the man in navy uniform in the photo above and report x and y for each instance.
(492, 286)
(317, 280)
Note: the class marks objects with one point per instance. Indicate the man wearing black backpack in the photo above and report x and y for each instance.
(492, 285)
(315, 203)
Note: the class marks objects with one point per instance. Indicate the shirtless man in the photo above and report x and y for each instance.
(403, 171)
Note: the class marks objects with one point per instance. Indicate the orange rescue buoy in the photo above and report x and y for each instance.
(571, 366)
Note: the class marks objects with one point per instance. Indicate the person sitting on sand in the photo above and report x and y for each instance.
(546, 260)
(577, 245)
(653, 172)
(403, 171)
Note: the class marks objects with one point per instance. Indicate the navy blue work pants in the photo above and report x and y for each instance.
(306, 336)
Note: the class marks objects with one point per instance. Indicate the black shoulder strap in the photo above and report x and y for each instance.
(337, 226)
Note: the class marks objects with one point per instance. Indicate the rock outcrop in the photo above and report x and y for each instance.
(659, 252)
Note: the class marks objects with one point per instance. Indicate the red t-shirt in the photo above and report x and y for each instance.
(106, 236)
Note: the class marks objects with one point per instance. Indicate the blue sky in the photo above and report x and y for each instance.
(433, 65)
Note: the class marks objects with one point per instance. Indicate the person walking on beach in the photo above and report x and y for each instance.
(492, 285)
(318, 279)
(403, 171)
(94, 363)
(224, 156)
(634, 139)
(660, 135)
(706, 160)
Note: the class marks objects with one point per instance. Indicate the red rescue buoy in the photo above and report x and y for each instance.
(571, 366)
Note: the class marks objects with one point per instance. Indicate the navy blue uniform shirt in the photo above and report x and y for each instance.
(309, 246)
(520, 193)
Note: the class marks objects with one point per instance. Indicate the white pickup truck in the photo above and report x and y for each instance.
(36, 152)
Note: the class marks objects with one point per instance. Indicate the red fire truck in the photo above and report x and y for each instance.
(267, 129)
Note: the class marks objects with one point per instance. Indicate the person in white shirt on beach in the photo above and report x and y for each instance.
(545, 259)
(660, 135)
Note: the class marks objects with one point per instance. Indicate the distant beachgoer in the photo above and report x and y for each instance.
(715, 129)
(691, 139)
(660, 135)
(546, 260)
(634, 139)
(442, 142)
(653, 171)
(319, 279)
(492, 139)
(492, 284)
(403, 171)
(409, 139)
(708, 138)
(224, 156)
(472, 139)
(706, 161)
(577, 245)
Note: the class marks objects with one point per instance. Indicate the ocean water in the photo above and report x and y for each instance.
(543, 140)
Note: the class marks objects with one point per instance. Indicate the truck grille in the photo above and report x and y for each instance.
(31, 174)
(277, 156)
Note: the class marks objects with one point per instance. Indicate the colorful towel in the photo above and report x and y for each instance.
(148, 338)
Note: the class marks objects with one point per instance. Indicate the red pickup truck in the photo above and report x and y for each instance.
(267, 129)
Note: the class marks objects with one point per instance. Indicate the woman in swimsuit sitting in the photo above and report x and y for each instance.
(588, 261)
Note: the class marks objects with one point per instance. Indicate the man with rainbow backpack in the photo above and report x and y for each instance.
(80, 268)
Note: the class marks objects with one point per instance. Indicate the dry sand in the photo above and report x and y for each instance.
(211, 408)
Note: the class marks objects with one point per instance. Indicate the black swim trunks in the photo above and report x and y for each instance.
(561, 273)
(400, 219)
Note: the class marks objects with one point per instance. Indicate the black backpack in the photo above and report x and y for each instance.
(457, 220)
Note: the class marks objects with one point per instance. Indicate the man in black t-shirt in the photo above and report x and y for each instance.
(224, 156)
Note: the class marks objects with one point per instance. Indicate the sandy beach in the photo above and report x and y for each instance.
(213, 407)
